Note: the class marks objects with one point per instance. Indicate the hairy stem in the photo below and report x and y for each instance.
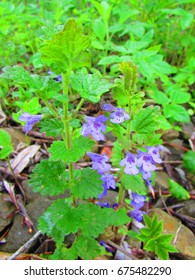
(67, 133)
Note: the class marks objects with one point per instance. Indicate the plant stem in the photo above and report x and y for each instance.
(121, 195)
(67, 134)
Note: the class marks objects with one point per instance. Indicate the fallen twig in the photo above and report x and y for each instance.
(25, 246)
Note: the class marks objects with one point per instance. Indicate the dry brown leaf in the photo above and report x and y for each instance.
(23, 158)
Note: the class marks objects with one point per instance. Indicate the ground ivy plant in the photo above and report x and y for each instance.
(130, 170)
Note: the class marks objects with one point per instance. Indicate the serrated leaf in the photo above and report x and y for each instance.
(52, 127)
(144, 121)
(87, 248)
(44, 86)
(5, 144)
(80, 146)
(177, 190)
(95, 219)
(84, 247)
(89, 86)
(17, 74)
(49, 178)
(59, 219)
(87, 184)
(66, 48)
(177, 112)
(116, 155)
(134, 183)
(189, 161)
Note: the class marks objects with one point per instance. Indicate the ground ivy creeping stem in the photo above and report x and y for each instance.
(134, 154)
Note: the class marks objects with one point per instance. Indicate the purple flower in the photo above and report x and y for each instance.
(145, 174)
(100, 162)
(103, 204)
(58, 78)
(106, 246)
(146, 162)
(95, 127)
(154, 153)
(130, 162)
(108, 108)
(137, 201)
(30, 120)
(108, 182)
(136, 214)
(118, 115)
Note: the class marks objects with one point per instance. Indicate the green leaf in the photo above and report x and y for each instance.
(44, 86)
(177, 112)
(60, 219)
(87, 184)
(186, 20)
(49, 178)
(52, 127)
(144, 121)
(95, 219)
(159, 96)
(67, 49)
(134, 183)
(83, 247)
(116, 155)
(189, 161)
(89, 86)
(153, 238)
(5, 144)
(80, 146)
(17, 74)
(87, 247)
(177, 190)
(99, 29)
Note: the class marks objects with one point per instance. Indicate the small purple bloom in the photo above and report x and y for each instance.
(95, 127)
(154, 153)
(100, 162)
(146, 162)
(106, 246)
(108, 108)
(138, 201)
(108, 182)
(30, 120)
(136, 214)
(118, 115)
(130, 162)
(103, 204)
(145, 174)
(58, 78)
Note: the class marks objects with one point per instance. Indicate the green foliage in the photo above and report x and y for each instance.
(153, 238)
(88, 218)
(89, 86)
(84, 247)
(5, 144)
(80, 146)
(87, 184)
(67, 49)
(189, 161)
(177, 190)
(49, 178)
(43, 86)
(52, 127)
(134, 183)
(144, 121)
